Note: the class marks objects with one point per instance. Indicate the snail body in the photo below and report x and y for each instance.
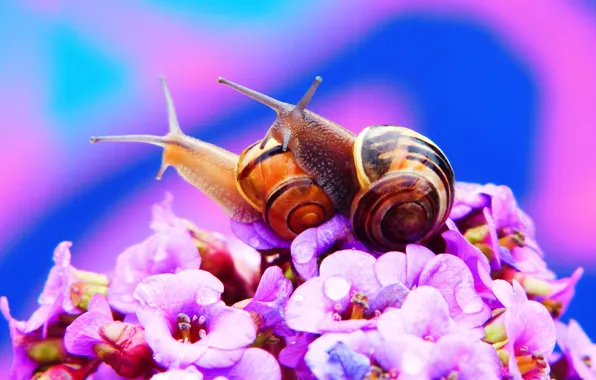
(263, 182)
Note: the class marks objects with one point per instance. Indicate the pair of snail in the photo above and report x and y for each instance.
(395, 184)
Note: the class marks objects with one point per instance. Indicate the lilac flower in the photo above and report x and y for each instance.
(456, 244)
(168, 250)
(554, 294)
(186, 323)
(258, 235)
(340, 356)
(121, 345)
(471, 197)
(339, 299)
(292, 355)
(353, 287)
(424, 314)
(188, 373)
(23, 365)
(457, 357)
(270, 300)
(578, 350)
(67, 291)
(406, 341)
(312, 243)
(530, 331)
(255, 364)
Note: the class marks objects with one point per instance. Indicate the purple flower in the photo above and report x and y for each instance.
(188, 373)
(258, 235)
(314, 242)
(463, 359)
(354, 287)
(554, 294)
(471, 197)
(255, 364)
(270, 300)
(339, 299)
(420, 338)
(186, 322)
(292, 355)
(23, 365)
(169, 250)
(530, 331)
(121, 345)
(67, 290)
(340, 356)
(578, 350)
(424, 314)
(476, 261)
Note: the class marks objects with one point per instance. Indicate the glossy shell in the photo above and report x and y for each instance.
(407, 187)
(271, 181)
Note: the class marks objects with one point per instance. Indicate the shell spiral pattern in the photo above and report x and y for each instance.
(407, 187)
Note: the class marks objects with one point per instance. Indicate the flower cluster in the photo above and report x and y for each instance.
(476, 301)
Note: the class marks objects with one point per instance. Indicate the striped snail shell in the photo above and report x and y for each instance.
(407, 187)
(289, 199)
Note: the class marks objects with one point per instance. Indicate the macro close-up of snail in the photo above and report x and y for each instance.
(395, 185)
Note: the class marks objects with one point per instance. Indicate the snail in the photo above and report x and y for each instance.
(263, 182)
(396, 185)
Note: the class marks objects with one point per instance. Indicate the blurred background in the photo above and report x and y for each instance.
(506, 88)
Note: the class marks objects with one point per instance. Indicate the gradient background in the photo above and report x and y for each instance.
(508, 90)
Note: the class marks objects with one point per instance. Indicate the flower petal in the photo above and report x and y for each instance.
(308, 306)
(339, 356)
(390, 268)
(357, 267)
(179, 291)
(255, 364)
(453, 279)
(417, 257)
(313, 242)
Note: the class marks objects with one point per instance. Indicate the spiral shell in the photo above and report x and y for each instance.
(271, 181)
(407, 187)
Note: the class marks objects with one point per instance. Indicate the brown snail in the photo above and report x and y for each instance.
(264, 181)
(395, 184)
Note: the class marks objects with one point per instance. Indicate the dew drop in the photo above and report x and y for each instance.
(298, 297)
(443, 267)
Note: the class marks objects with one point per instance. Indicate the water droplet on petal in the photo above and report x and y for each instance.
(298, 297)
(443, 267)
(253, 242)
(336, 288)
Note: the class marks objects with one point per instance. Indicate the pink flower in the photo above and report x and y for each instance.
(120, 345)
(186, 323)
(169, 250)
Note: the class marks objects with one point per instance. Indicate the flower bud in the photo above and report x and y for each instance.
(125, 349)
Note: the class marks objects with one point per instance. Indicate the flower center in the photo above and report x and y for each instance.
(512, 238)
(453, 375)
(554, 307)
(359, 303)
(377, 373)
(528, 362)
(190, 330)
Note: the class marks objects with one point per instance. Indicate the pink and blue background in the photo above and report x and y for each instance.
(506, 88)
